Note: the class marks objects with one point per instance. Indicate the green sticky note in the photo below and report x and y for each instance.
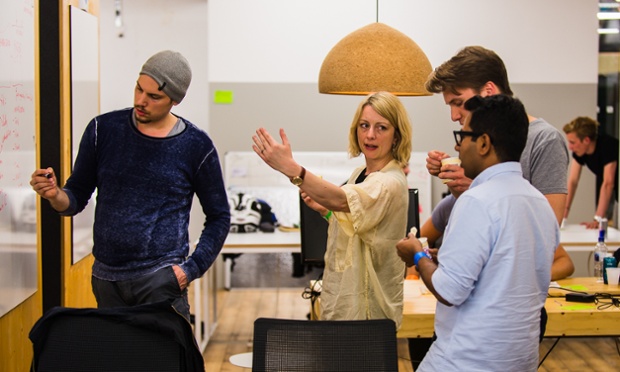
(578, 287)
(579, 307)
(223, 97)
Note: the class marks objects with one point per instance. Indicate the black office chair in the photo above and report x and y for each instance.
(323, 345)
(151, 337)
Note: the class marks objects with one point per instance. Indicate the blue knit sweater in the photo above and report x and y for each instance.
(145, 187)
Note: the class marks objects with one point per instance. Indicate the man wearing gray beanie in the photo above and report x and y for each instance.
(146, 164)
(171, 72)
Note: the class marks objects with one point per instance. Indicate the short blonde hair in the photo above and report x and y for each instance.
(391, 108)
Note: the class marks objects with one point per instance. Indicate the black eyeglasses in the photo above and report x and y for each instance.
(460, 134)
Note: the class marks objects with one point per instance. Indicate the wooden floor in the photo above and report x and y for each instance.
(238, 308)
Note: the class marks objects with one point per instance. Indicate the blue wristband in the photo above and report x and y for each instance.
(418, 256)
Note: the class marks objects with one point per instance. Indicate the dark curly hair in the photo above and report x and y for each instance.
(504, 120)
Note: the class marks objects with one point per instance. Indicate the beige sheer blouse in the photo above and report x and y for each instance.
(363, 275)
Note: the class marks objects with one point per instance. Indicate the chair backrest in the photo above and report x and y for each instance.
(142, 338)
(324, 345)
(313, 228)
(313, 234)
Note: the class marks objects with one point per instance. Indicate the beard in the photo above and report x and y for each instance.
(141, 119)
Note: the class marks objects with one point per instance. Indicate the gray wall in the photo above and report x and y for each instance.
(319, 122)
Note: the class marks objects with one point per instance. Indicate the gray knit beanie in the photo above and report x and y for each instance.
(171, 71)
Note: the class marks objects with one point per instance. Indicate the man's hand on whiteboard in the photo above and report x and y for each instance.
(44, 183)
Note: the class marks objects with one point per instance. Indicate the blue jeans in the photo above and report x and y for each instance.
(161, 285)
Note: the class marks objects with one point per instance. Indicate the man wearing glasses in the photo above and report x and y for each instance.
(502, 231)
(478, 71)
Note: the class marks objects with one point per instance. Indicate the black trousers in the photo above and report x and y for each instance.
(162, 285)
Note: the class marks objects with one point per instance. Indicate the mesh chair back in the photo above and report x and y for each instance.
(301, 345)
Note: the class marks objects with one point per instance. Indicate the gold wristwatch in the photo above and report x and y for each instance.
(298, 180)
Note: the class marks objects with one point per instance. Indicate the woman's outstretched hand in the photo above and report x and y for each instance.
(278, 156)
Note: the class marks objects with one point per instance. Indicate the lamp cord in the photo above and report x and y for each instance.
(377, 11)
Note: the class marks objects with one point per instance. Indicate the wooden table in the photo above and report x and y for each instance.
(259, 242)
(587, 285)
(565, 318)
(418, 311)
(580, 319)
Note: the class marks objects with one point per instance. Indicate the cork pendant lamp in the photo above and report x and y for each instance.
(375, 58)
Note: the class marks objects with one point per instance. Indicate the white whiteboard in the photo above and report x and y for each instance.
(245, 172)
(84, 107)
(18, 212)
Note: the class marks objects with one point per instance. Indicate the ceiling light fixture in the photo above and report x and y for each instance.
(605, 16)
(375, 58)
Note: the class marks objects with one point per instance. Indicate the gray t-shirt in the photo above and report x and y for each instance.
(179, 126)
(545, 159)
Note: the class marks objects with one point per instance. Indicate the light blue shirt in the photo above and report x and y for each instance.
(495, 268)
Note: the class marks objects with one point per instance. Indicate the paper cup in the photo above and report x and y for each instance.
(446, 161)
(613, 274)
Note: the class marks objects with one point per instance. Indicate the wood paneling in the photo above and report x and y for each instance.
(77, 288)
(76, 283)
(15, 346)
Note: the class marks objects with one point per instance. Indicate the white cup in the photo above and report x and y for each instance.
(613, 273)
(446, 161)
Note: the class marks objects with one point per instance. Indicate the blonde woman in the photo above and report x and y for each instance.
(363, 276)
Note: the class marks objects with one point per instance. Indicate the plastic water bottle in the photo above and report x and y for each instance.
(600, 252)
